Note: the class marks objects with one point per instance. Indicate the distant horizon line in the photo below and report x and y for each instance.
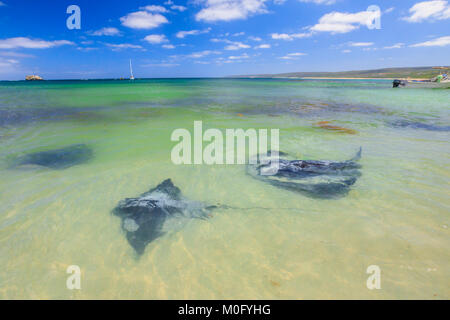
(199, 78)
(261, 76)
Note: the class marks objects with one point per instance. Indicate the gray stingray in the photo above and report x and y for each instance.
(313, 178)
(56, 159)
(156, 212)
(419, 125)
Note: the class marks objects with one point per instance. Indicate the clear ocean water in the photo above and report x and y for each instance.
(288, 246)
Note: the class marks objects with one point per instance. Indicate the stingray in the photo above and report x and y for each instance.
(57, 158)
(312, 178)
(156, 212)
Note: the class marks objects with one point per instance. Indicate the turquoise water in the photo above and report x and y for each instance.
(288, 246)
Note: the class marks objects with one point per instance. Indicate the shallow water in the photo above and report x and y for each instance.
(280, 245)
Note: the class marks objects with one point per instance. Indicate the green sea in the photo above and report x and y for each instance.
(280, 245)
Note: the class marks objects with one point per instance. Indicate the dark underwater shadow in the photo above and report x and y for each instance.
(57, 159)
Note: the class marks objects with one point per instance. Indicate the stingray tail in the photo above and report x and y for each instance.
(227, 207)
(357, 157)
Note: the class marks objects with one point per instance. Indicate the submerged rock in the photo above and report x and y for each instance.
(58, 158)
(316, 179)
(419, 125)
(23, 116)
(152, 214)
(34, 77)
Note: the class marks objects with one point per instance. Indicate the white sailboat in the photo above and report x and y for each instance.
(131, 71)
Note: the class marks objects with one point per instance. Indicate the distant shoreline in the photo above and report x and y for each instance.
(413, 74)
(332, 78)
(344, 78)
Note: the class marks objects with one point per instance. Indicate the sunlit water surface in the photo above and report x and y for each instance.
(288, 247)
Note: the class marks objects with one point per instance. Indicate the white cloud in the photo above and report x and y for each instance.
(153, 8)
(173, 6)
(327, 2)
(22, 42)
(395, 46)
(168, 46)
(164, 65)
(290, 37)
(8, 62)
(281, 36)
(439, 42)
(8, 65)
(121, 46)
(86, 49)
(343, 22)
(255, 38)
(263, 46)
(156, 38)
(2, 4)
(232, 59)
(232, 45)
(333, 22)
(243, 56)
(202, 62)
(143, 20)
(182, 34)
(389, 10)
(227, 10)
(293, 56)
(361, 44)
(202, 54)
(15, 54)
(236, 46)
(346, 51)
(429, 10)
(109, 31)
(179, 8)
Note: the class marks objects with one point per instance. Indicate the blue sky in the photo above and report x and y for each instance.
(207, 38)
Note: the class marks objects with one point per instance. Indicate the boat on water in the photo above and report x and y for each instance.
(441, 81)
(131, 71)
